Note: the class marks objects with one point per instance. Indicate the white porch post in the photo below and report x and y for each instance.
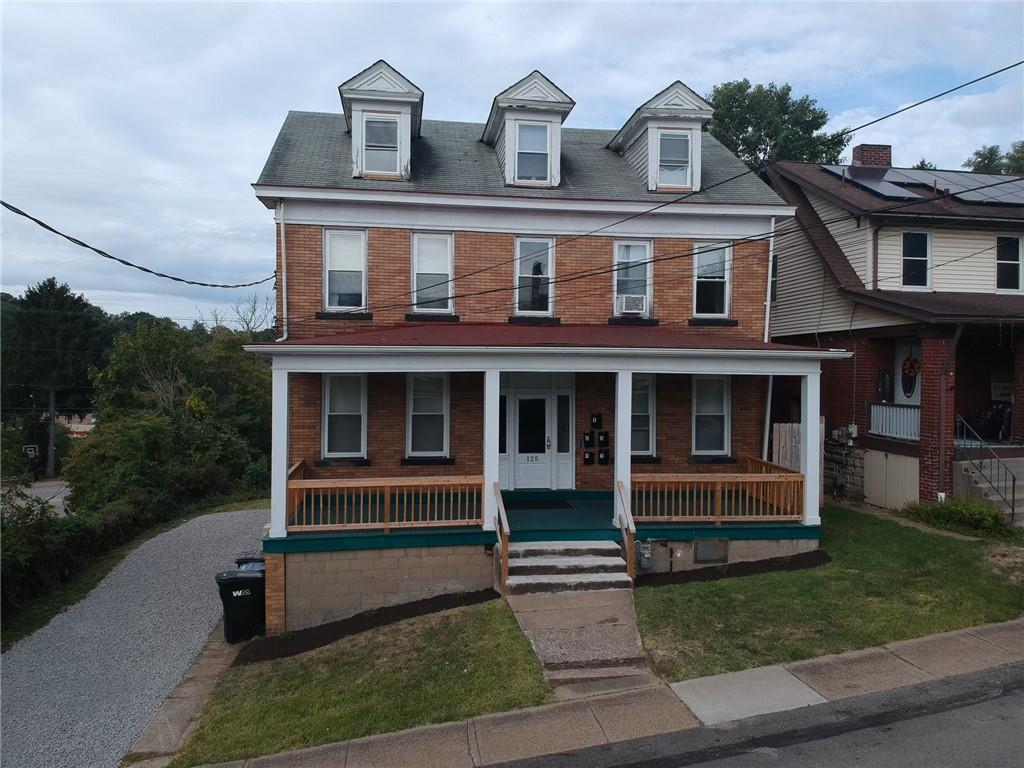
(810, 444)
(279, 453)
(491, 427)
(623, 435)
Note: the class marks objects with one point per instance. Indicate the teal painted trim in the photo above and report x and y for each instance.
(567, 534)
(545, 495)
(769, 532)
(341, 541)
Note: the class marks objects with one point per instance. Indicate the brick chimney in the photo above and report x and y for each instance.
(879, 155)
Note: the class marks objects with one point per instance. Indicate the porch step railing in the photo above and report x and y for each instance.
(383, 503)
(987, 464)
(902, 422)
(503, 531)
(627, 527)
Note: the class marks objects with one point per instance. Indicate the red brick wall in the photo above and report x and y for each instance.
(584, 300)
(873, 154)
(274, 595)
(934, 351)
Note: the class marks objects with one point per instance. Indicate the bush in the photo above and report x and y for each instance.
(967, 515)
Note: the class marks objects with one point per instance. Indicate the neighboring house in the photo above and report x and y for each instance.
(450, 326)
(921, 275)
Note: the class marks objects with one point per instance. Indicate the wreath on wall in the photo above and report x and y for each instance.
(910, 369)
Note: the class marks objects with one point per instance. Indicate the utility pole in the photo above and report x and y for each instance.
(51, 450)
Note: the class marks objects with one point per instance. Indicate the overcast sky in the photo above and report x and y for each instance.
(140, 127)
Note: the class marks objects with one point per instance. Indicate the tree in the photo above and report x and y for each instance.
(986, 159)
(51, 337)
(923, 165)
(762, 124)
(1014, 159)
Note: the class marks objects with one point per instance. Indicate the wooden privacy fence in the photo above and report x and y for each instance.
(786, 451)
(384, 503)
(765, 493)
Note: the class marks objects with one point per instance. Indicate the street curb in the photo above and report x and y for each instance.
(780, 729)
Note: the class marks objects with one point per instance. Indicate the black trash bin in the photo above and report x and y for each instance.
(251, 561)
(242, 595)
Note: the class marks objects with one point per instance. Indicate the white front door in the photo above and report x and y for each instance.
(907, 374)
(533, 441)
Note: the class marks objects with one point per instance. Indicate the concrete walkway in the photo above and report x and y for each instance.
(660, 709)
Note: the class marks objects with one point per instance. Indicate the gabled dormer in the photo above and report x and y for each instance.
(383, 110)
(662, 139)
(525, 129)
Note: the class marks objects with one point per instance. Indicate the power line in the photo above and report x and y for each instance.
(125, 262)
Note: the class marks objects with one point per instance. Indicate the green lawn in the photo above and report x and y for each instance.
(432, 669)
(886, 582)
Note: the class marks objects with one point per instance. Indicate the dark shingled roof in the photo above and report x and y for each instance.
(313, 149)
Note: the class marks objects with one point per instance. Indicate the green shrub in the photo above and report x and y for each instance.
(968, 515)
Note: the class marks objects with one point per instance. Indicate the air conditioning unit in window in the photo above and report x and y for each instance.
(632, 305)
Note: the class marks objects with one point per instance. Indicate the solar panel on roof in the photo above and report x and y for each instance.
(892, 183)
(871, 180)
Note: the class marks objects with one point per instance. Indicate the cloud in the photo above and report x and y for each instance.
(139, 127)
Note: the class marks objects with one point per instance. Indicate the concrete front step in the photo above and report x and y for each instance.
(522, 566)
(604, 686)
(571, 675)
(564, 549)
(572, 582)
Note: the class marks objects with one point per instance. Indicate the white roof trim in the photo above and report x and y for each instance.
(534, 92)
(382, 82)
(677, 101)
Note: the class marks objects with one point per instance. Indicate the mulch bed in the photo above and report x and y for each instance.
(800, 562)
(293, 643)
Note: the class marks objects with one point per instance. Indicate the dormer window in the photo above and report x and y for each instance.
(381, 149)
(673, 159)
(531, 152)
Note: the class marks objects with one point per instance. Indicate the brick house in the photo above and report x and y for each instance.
(919, 274)
(489, 345)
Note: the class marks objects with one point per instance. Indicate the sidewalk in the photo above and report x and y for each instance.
(661, 709)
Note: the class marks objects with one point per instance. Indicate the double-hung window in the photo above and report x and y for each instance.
(711, 270)
(534, 260)
(531, 152)
(380, 144)
(345, 269)
(673, 159)
(643, 414)
(1008, 263)
(427, 425)
(432, 272)
(344, 415)
(632, 277)
(915, 259)
(710, 415)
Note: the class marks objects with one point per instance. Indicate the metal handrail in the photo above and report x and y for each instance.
(502, 530)
(998, 474)
(627, 527)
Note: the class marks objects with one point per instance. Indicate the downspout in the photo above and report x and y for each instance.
(767, 336)
(874, 256)
(942, 409)
(279, 218)
(767, 419)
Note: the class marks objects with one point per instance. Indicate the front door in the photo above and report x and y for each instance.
(533, 441)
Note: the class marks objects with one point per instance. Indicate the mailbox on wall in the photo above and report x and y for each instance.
(595, 421)
(602, 456)
(602, 439)
(588, 457)
(588, 439)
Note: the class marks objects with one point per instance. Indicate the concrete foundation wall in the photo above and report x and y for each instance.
(669, 556)
(321, 587)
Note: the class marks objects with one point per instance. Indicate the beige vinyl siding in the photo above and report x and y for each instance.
(961, 260)
(636, 156)
(809, 300)
(852, 237)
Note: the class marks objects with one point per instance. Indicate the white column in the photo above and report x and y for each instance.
(623, 435)
(491, 427)
(279, 453)
(810, 444)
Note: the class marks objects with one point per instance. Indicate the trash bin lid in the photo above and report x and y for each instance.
(238, 577)
(245, 558)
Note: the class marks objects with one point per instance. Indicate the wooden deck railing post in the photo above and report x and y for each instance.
(718, 502)
(387, 509)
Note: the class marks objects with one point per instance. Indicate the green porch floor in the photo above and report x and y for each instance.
(560, 515)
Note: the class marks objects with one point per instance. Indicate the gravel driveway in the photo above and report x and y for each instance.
(79, 690)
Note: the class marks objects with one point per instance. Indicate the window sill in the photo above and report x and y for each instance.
(430, 317)
(534, 320)
(620, 320)
(342, 461)
(379, 176)
(666, 189)
(713, 321)
(711, 460)
(343, 315)
(428, 461)
(645, 459)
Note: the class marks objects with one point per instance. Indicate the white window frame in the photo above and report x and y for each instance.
(326, 269)
(1019, 263)
(689, 162)
(417, 309)
(551, 277)
(724, 251)
(727, 400)
(389, 117)
(927, 265)
(546, 181)
(446, 412)
(648, 281)
(652, 408)
(325, 404)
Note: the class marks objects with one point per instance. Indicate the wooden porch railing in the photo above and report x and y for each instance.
(382, 502)
(628, 529)
(764, 492)
(502, 529)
